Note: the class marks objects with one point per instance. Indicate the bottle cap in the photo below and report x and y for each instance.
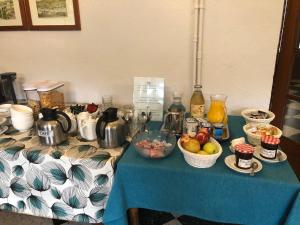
(177, 94)
(197, 86)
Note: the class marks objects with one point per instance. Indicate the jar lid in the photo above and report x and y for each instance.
(29, 87)
(269, 139)
(45, 85)
(49, 85)
(244, 148)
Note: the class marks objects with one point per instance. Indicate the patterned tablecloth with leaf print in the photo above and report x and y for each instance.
(68, 182)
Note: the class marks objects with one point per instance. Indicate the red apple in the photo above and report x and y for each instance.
(202, 137)
(204, 130)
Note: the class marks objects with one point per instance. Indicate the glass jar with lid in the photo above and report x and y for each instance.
(51, 94)
(32, 97)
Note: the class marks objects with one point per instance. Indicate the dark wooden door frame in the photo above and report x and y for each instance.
(283, 71)
(285, 61)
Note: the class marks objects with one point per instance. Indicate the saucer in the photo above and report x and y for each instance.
(2, 120)
(257, 155)
(3, 129)
(4, 114)
(230, 162)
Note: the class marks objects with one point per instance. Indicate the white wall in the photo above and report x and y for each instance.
(121, 39)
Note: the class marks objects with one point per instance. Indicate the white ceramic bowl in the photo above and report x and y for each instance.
(201, 161)
(21, 116)
(255, 139)
(22, 119)
(246, 114)
(20, 109)
(22, 125)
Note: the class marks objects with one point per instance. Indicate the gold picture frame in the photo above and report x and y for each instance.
(53, 14)
(13, 15)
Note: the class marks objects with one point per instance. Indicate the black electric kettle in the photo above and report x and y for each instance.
(110, 130)
(53, 127)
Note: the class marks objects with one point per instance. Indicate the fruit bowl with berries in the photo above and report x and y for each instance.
(154, 144)
(201, 151)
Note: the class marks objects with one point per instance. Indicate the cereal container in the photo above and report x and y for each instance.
(33, 99)
(51, 94)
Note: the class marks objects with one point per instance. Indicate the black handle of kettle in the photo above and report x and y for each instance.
(100, 131)
(68, 121)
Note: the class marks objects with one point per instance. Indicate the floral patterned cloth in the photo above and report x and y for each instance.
(68, 182)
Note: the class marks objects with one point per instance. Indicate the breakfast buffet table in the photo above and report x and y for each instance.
(218, 193)
(69, 182)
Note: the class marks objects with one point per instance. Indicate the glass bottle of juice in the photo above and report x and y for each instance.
(197, 106)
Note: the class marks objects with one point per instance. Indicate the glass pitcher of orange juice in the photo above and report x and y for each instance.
(217, 112)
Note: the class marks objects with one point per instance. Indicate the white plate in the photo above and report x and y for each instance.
(257, 155)
(4, 114)
(230, 162)
(3, 129)
(5, 110)
(2, 120)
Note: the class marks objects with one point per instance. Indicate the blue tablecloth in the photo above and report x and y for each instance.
(218, 193)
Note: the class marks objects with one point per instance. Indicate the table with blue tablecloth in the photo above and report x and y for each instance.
(218, 193)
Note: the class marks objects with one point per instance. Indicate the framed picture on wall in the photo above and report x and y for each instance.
(53, 14)
(12, 15)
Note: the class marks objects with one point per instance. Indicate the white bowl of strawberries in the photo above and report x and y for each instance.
(201, 151)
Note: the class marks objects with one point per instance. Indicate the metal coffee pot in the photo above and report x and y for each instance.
(53, 127)
(111, 131)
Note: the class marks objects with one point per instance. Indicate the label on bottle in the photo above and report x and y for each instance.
(197, 111)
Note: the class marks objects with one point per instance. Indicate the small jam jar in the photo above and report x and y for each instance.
(243, 155)
(191, 125)
(269, 146)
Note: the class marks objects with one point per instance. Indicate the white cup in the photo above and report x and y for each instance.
(80, 118)
(86, 126)
(88, 130)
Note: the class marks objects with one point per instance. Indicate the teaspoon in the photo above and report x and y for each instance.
(279, 156)
(254, 166)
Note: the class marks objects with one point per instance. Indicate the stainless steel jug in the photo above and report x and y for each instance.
(111, 131)
(173, 120)
(53, 127)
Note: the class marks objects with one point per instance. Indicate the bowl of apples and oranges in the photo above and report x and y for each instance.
(201, 151)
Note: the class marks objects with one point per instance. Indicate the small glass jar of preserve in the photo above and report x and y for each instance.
(243, 156)
(269, 146)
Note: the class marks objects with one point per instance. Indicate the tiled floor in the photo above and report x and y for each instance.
(19, 219)
(291, 128)
(147, 217)
(151, 217)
